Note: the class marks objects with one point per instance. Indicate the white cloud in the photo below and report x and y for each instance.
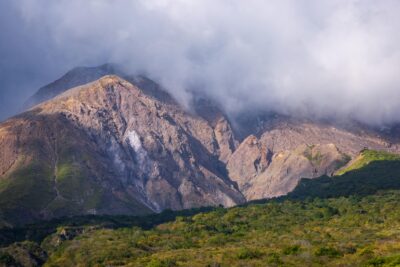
(318, 58)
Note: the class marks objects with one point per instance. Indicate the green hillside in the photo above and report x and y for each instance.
(370, 172)
(347, 220)
(366, 157)
(343, 231)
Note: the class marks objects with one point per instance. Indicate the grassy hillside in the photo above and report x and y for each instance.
(332, 232)
(370, 172)
(347, 220)
(366, 157)
(344, 231)
(57, 172)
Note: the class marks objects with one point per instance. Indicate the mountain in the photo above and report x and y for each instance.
(83, 75)
(288, 149)
(108, 147)
(123, 145)
(75, 77)
(350, 219)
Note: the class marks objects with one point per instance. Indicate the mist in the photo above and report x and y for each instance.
(320, 59)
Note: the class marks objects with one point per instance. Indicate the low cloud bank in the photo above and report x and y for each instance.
(328, 58)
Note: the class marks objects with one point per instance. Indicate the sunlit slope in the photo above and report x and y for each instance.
(369, 172)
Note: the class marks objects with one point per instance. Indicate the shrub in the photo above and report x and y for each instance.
(162, 263)
(384, 261)
(6, 259)
(376, 262)
(274, 258)
(291, 250)
(247, 253)
(329, 252)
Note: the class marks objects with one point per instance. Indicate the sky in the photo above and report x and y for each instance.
(320, 59)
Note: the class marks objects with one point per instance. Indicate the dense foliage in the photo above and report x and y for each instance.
(348, 231)
(347, 220)
(345, 231)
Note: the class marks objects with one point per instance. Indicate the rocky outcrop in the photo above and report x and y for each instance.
(287, 167)
(288, 134)
(262, 173)
(288, 150)
(125, 146)
(248, 161)
(108, 147)
(225, 138)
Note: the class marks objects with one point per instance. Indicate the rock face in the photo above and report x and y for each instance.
(285, 168)
(287, 150)
(108, 147)
(125, 146)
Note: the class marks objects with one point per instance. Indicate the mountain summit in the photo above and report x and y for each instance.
(75, 77)
(108, 147)
(125, 146)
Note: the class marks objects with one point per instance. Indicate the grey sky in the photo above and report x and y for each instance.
(319, 58)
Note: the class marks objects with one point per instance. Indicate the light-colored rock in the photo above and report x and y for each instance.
(133, 148)
(295, 149)
(125, 146)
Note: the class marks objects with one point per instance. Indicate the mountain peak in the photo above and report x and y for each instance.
(120, 144)
(75, 77)
(111, 147)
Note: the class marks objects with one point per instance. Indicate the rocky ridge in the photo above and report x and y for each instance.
(125, 146)
(108, 147)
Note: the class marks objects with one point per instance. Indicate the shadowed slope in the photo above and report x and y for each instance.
(372, 171)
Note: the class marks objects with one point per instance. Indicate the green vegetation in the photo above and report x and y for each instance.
(346, 231)
(29, 189)
(366, 157)
(314, 158)
(63, 182)
(347, 220)
(23, 254)
(372, 171)
(75, 185)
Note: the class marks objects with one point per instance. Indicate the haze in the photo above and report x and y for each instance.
(326, 58)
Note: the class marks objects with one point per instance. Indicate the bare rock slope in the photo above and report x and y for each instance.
(286, 150)
(125, 146)
(108, 147)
